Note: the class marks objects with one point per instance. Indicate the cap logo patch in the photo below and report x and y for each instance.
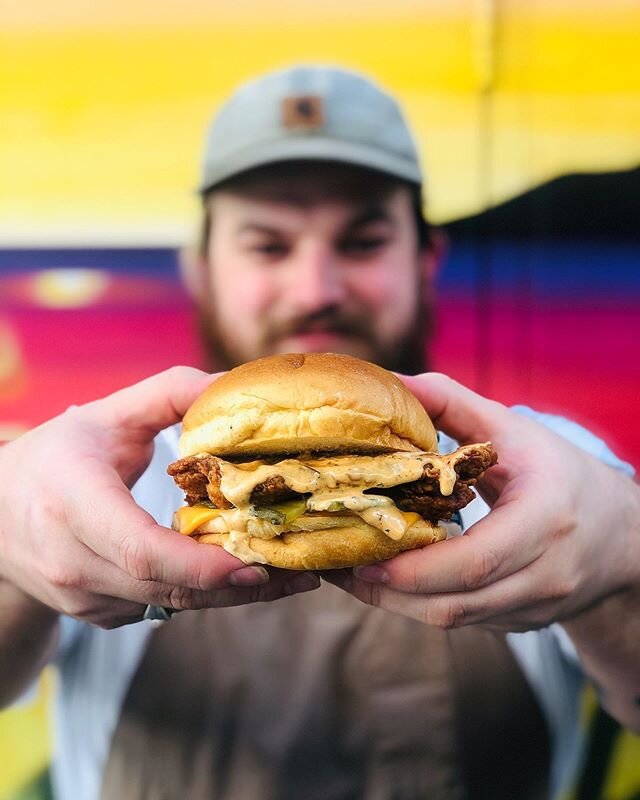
(303, 111)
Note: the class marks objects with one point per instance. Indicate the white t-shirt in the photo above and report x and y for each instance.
(96, 666)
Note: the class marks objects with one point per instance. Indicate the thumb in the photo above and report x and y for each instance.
(155, 403)
(462, 414)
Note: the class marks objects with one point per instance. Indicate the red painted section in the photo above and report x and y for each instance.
(579, 360)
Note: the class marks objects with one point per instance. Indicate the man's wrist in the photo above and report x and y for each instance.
(15, 601)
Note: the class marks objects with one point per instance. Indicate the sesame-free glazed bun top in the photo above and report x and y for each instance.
(314, 402)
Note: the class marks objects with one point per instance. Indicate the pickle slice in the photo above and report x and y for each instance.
(334, 506)
(282, 513)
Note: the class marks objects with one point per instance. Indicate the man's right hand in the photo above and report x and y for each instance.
(72, 537)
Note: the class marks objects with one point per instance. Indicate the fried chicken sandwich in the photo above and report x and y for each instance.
(317, 461)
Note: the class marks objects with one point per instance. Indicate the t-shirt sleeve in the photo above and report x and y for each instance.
(579, 436)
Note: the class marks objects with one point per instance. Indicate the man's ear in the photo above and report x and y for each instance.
(433, 257)
(193, 273)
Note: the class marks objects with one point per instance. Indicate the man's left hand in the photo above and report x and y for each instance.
(559, 537)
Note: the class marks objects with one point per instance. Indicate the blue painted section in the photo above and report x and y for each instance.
(161, 262)
(578, 268)
(547, 267)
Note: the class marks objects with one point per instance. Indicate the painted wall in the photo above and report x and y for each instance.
(104, 105)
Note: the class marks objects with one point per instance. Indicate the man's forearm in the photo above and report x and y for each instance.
(28, 636)
(607, 636)
(608, 642)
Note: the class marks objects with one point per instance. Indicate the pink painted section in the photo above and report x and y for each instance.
(578, 360)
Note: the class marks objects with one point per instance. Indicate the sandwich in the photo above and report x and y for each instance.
(317, 461)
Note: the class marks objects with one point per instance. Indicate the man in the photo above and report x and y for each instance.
(313, 239)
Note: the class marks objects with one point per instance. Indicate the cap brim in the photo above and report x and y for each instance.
(311, 148)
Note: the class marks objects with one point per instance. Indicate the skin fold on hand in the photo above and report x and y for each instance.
(71, 535)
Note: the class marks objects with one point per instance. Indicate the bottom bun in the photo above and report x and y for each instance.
(334, 548)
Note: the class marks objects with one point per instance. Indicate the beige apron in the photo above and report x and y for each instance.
(318, 697)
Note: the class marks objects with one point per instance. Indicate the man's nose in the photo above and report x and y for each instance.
(317, 280)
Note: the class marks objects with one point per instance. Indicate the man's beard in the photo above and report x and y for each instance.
(409, 355)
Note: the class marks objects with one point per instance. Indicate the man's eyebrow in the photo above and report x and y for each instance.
(365, 216)
(369, 215)
(257, 227)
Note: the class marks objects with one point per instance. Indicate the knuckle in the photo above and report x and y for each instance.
(74, 606)
(562, 588)
(61, 577)
(202, 579)
(181, 598)
(52, 510)
(480, 570)
(197, 600)
(564, 520)
(417, 581)
(70, 415)
(446, 615)
(440, 377)
(371, 594)
(179, 373)
(257, 594)
(135, 560)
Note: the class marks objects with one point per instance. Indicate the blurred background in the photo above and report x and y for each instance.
(528, 119)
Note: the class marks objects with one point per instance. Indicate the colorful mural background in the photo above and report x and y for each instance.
(104, 105)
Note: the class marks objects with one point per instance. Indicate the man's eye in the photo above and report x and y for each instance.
(271, 249)
(363, 245)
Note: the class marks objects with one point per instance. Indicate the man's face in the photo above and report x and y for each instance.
(294, 272)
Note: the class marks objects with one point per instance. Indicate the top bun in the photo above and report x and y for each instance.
(297, 403)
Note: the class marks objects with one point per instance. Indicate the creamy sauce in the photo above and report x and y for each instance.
(327, 481)
(388, 519)
(238, 545)
(330, 475)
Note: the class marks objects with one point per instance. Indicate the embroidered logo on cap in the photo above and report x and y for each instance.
(303, 111)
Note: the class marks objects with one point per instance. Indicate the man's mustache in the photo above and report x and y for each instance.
(324, 320)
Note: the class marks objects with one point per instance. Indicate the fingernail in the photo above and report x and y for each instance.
(372, 574)
(249, 576)
(302, 583)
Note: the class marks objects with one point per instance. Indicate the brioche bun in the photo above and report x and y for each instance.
(333, 548)
(313, 402)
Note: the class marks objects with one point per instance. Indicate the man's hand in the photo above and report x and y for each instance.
(561, 535)
(71, 535)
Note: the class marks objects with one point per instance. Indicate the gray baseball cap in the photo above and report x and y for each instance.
(316, 113)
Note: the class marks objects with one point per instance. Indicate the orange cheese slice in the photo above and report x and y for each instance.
(189, 518)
